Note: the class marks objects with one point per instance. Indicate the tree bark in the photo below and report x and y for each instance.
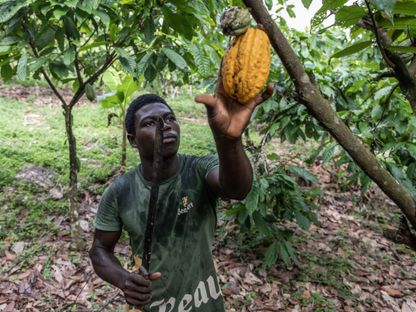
(76, 231)
(321, 109)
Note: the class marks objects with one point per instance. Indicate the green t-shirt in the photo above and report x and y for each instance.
(184, 230)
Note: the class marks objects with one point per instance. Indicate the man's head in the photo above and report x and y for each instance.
(141, 118)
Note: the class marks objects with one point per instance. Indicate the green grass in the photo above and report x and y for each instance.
(35, 135)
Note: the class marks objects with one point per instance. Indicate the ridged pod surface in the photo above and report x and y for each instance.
(246, 65)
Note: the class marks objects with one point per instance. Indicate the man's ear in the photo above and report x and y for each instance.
(130, 137)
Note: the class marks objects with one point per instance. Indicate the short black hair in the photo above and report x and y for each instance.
(138, 103)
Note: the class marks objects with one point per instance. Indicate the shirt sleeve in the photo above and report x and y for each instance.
(108, 218)
(206, 164)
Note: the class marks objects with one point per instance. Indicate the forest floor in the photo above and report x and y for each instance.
(345, 263)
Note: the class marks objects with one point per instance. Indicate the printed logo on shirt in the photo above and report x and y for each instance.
(205, 291)
(185, 206)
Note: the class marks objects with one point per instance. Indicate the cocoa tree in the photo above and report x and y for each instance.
(309, 94)
(72, 43)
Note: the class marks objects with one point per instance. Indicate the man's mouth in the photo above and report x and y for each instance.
(169, 139)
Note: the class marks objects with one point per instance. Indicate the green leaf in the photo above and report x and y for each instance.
(384, 5)
(301, 220)
(89, 92)
(252, 200)
(405, 8)
(401, 49)
(175, 58)
(150, 73)
(46, 37)
(399, 23)
(128, 86)
(70, 28)
(69, 56)
(271, 254)
(149, 30)
(104, 17)
(111, 79)
(328, 154)
(260, 224)
(10, 40)
(303, 173)
(109, 100)
(352, 49)
(402, 178)
(6, 72)
(349, 15)
(144, 63)
(201, 61)
(9, 8)
(306, 3)
(22, 70)
(58, 70)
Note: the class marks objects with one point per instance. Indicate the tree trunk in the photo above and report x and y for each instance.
(76, 231)
(321, 109)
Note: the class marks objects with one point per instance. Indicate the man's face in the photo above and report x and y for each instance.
(145, 121)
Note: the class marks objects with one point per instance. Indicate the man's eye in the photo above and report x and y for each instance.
(149, 123)
(171, 118)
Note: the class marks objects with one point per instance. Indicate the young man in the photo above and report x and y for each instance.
(184, 278)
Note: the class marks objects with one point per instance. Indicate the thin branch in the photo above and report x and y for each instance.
(88, 39)
(379, 43)
(110, 59)
(76, 63)
(385, 105)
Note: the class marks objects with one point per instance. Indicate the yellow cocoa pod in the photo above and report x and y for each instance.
(246, 65)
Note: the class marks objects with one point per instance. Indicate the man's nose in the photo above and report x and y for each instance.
(166, 125)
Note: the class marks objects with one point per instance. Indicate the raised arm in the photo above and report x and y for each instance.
(136, 288)
(228, 119)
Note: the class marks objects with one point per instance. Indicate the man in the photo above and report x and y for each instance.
(184, 277)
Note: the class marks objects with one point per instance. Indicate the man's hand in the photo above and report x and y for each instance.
(227, 117)
(137, 289)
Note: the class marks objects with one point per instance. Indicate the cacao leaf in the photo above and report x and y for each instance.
(252, 200)
(69, 56)
(6, 72)
(144, 63)
(103, 17)
(22, 71)
(402, 178)
(89, 92)
(9, 8)
(46, 37)
(271, 254)
(7, 41)
(401, 49)
(352, 49)
(405, 8)
(175, 58)
(385, 5)
(399, 23)
(306, 3)
(70, 28)
(349, 15)
(201, 61)
(303, 173)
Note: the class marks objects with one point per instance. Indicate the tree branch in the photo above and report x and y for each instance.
(376, 29)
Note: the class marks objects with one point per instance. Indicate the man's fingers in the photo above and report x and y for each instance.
(139, 280)
(265, 95)
(155, 276)
(206, 99)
